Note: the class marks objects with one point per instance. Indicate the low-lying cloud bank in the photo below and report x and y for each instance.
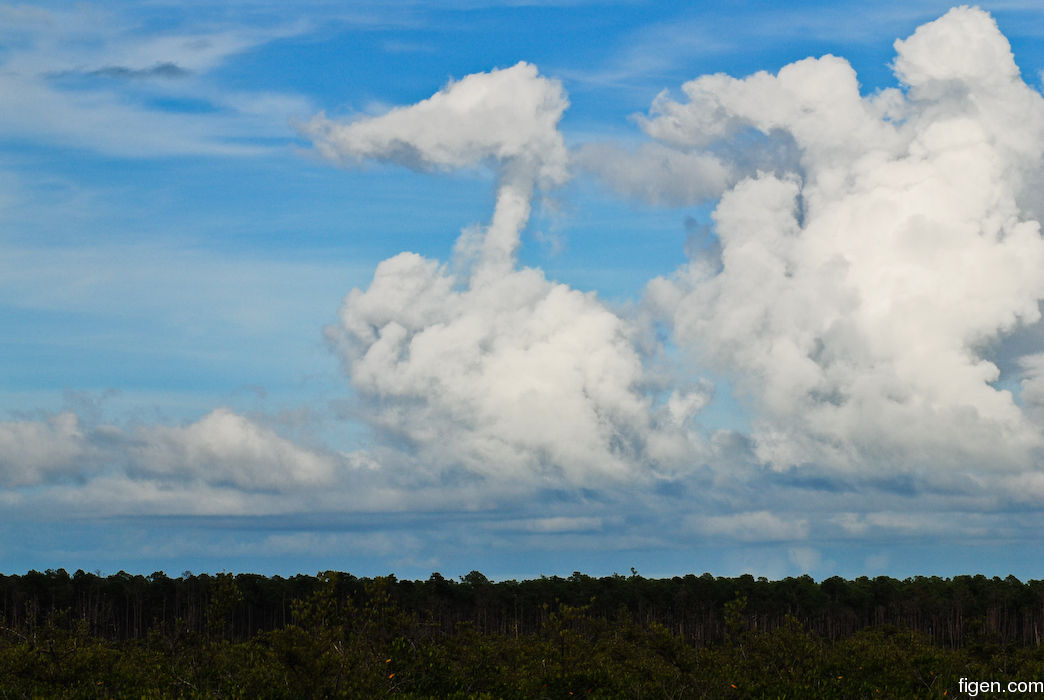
(222, 448)
(875, 255)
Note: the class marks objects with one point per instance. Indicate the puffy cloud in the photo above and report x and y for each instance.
(32, 451)
(495, 370)
(226, 448)
(858, 289)
(961, 50)
(856, 298)
(514, 375)
(221, 449)
(509, 116)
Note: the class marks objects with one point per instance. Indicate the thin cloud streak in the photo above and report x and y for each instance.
(50, 48)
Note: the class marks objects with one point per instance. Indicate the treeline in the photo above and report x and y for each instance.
(335, 635)
(952, 612)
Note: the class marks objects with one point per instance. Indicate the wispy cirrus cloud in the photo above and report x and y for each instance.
(92, 79)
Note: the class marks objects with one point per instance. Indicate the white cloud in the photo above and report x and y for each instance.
(963, 49)
(33, 451)
(513, 376)
(509, 115)
(221, 450)
(856, 295)
(506, 118)
(227, 449)
(495, 369)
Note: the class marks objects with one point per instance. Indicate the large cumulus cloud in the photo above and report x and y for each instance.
(858, 294)
(494, 369)
(872, 253)
(515, 376)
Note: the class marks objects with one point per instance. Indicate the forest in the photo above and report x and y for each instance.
(338, 635)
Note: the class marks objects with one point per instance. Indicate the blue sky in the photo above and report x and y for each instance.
(778, 322)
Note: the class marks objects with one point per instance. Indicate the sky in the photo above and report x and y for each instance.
(526, 288)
